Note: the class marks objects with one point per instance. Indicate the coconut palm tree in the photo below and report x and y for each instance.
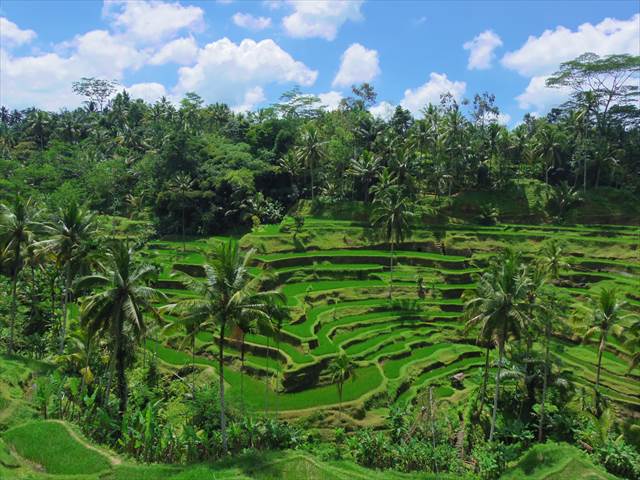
(181, 185)
(391, 215)
(226, 297)
(18, 228)
(551, 258)
(121, 293)
(499, 309)
(606, 314)
(310, 151)
(71, 233)
(547, 147)
(341, 369)
(365, 168)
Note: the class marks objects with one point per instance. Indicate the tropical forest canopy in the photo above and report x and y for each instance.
(193, 292)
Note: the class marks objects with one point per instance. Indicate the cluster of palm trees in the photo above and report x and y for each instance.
(63, 240)
(511, 301)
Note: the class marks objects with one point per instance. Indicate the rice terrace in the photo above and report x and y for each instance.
(245, 270)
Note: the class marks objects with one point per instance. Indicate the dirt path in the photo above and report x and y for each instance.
(114, 460)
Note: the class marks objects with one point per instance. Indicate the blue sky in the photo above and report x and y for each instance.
(247, 53)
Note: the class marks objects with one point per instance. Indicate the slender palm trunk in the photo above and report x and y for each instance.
(485, 380)
(65, 305)
(312, 189)
(242, 352)
(277, 395)
(603, 338)
(496, 393)
(223, 418)
(193, 366)
(183, 240)
(14, 308)
(391, 271)
(266, 378)
(121, 369)
(544, 383)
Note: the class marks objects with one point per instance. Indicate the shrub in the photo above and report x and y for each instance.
(620, 459)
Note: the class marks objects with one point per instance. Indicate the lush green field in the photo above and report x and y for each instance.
(337, 289)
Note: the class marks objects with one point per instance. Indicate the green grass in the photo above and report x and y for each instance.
(552, 461)
(50, 445)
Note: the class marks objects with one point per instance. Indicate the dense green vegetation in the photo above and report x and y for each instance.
(299, 293)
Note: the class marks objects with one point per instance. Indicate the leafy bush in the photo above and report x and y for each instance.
(620, 459)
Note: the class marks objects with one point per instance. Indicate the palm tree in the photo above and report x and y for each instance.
(498, 308)
(227, 295)
(121, 295)
(70, 232)
(365, 168)
(310, 151)
(547, 148)
(340, 370)
(181, 185)
(391, 214)
(552, 258)
(545, 318)
(606, 312)
(38, 125)
(18, 227)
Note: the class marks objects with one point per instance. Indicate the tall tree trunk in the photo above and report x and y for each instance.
(121, 369)
(485, 380)
(193, 366)
(14, 308)
(603, 338)
(65, 305)
(311, 174)
(391, 271)
(223, 418)
(242, 352)
(496, 393)
(266, 377)
(183, 241)
(544, 382)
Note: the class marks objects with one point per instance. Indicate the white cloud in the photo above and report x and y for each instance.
(430, 92)
(252, 97)
(383, 111)
(542, 55)
(359, 64)
(246, 20)
(315, 18)
(504, 118)
(482, 50)
(330, 100)
(45, 80)
(149, 92)
(182, 51)
(11, 34)
(540, 97)
(228, 72)
(152, 21)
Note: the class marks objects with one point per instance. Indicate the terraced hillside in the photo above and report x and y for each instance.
(336, 277)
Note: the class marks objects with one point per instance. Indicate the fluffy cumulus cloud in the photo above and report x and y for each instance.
(45, 80)
(481, 50)
(246, 20)
(538, 97)
(12, 35)
(320, 18)
(383, 110)
(358, 64)
(542, 55)
(149, 92)
(430, 92)
(152, 21)
(330, 100)
(229, 72)
(182, 51)
(252, 98)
